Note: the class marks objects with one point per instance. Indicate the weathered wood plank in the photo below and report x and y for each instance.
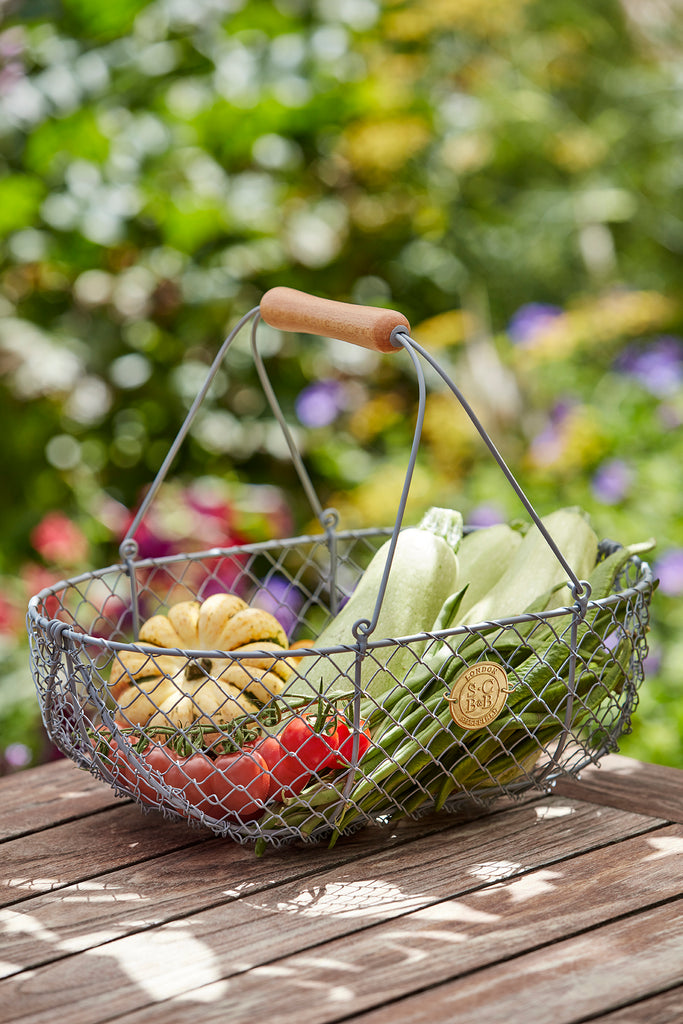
(124, 835)
(51, 859)
(184, 882)
(567, 982)
(632, 785)
(47, 795)
(81, 849)
(663, 1008)
(346, 941)
(171, 880)
(41, 859)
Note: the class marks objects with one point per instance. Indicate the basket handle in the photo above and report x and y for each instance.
(368, 326)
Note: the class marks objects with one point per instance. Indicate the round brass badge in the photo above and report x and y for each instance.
(478, 695)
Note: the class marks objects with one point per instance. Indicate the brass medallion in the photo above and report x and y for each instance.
(478, 695)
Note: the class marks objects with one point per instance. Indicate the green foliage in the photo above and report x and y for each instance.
(88, 20)
(53, 145)
(165, 164)
(20, 196)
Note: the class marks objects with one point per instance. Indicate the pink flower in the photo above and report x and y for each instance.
(17, 755)
(35, 579)
(11, 620)
(57, 539)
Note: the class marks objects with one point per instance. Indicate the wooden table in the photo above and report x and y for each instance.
(559, 908)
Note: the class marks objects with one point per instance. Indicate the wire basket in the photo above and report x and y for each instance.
(241, 737)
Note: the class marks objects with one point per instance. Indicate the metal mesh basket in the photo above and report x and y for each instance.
(540, 694)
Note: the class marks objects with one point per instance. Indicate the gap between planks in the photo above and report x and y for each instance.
(581, 978)
(53, 793)
(124, 835)
(631, 785)
(665, 1007)
(557, 982)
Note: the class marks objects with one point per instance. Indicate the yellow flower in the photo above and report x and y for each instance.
(375, 502)
(575, 443)
(448, 435)
(480, 17)
(373, 213)
(379, 148)
(600, 321)
(467, 153)
(390, 86)
(450, 328)
(578, 149)
(376, 415)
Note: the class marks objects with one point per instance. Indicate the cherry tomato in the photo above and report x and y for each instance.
(345, 752)
(192, 776)
(155, 758)
(234, 784)
(240, 783)
(119, 756)
(287, 775)
(315, 748)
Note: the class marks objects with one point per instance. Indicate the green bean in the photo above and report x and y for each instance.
(394, 718)
(407, 728)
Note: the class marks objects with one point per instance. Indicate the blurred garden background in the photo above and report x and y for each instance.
(507, 173)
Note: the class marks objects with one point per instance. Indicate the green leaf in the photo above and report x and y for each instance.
(55, 143)
(188, 224)
(20, 199)
(102, 21)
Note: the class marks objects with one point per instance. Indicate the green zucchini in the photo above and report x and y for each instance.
(535, 569)
(483, 557)
(423, 573)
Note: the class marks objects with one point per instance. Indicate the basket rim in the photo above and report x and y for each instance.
(58, 627)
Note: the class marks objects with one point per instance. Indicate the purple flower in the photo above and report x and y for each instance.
(652, 662)
(12, 42)
(12, 46)
(612, 481)
(485, 515)
(669, 570)
(548, 446)
(282, 599)
(670, 417)
(531, 320)
(320, 403)
(151, 544)
(657, 366)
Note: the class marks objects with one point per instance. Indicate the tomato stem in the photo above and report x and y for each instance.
(243, 729)
(323, 722)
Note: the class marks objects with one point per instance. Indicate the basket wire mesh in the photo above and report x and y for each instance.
(573, 674)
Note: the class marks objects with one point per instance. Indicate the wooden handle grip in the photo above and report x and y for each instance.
(368, 326)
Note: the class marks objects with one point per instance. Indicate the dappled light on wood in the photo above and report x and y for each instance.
(545, 895)
(358, 898)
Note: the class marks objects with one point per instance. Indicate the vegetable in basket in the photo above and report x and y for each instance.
(411, 753)
(172, 689)
(233, 785)
(309, 744)
(229, 773)
(423, 573)
(534, 569)
(419, 758)
(483, 556)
